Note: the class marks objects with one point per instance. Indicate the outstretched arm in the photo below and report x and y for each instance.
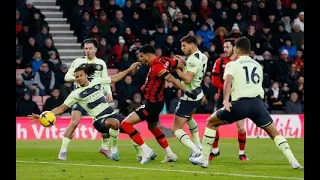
(117, 77)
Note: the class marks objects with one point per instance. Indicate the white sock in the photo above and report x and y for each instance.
(64, 145)
(215, 150)
(168, 151)
(283, 145)
(105, 143)
(241, 152)
(185, 140)
(193, 127)
(145, 148)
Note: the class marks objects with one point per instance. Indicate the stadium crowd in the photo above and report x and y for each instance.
(274, 27)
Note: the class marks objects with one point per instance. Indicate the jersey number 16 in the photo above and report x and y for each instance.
(255, 78)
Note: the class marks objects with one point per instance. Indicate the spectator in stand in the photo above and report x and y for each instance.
(293, 106)
(42, 36)
(26, 106)
(45, 80)
(96, 8)
(299, 60)
(206, 34)
(19, 56)
(275, 97)
(117, 51)
(111, 9)
(24, 34)
(119, 22)
(242, 24)
(136, 24)
(292, 49)
(135, 103)
(170, 47)
(128, 11)
(126, 61)
(187, 9)
(55, 100)
(300, 20)
(66, 89)
(59, 75)
(21, 88)
(183, 24)
(18, 22)
(29, 50)
(94, 33)
(85, 25)
(169, 93)
(125, 93)
(37, 22)
(128, 36)
(37, 61)
(49, 47)
(297, 35)
(28, 79)
(220, 34)
(76, 14)
(173, 10)
(159, 36)
(113, 36)
(104, 51)
(103, 23)
(54, 62)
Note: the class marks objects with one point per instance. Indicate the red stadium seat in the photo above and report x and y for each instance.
(112, 71)
(37, 98)
(19, 71)
(44, 98)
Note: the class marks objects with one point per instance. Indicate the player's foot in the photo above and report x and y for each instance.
(200, 161)
(198, 153)
(147, 157)
(114, 153)
(171, 158)
(106, 153)
(213, 155)
(243, 157)
(62, 156)
(139, 157)
(296, 165)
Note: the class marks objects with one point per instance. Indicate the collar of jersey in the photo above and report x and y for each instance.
(90, 60)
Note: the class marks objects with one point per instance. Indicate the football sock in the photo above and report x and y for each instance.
(65, 143)
(114, 137)
(193, 127)
(283, 145)
(105, 143)
(132, 132)
(207, 141)
(242, 142)
(137, 148)
(215, 144)
(185, 140)
(158, 134)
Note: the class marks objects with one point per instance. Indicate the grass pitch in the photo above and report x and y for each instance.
(37, 160)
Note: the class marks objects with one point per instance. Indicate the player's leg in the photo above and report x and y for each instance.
(242, 136)
(104, 148)
(194, 130)
(182, 114)
(109, 126)
(68, 134)
(265, 121)
(127, 126)
(161, 139)
(218, 118)
(215, 146)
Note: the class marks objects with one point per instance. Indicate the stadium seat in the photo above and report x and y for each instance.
(37, 98)
(19, 71)
(40, 107)
(44, 98)
(112, 71)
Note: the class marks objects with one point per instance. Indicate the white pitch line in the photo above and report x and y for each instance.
(160, 169)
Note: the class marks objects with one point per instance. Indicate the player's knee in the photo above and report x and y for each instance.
(241, 130)
(113, 124)
(74, 123)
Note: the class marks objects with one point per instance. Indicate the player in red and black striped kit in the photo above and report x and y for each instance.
(153, 93)
(217, 81)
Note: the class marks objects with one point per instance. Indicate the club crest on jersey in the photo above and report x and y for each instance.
(96, 87)
(98, 67)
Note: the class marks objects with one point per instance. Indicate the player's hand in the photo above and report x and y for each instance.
(227, 105)
(34, 118)
(109, 98)
(134, 66)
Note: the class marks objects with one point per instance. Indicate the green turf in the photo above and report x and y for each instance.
(34, 158)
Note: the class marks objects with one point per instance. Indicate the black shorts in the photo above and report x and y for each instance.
(185, 109)
(77, 107)
(100, 126)
(252, 108)
(150, 111)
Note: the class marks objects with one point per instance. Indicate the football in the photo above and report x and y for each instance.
(47, 119)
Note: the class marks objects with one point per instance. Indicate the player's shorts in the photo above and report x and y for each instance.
(150, 111)
(77, 107)
(185, 108)
(100, 126)
(252, 108)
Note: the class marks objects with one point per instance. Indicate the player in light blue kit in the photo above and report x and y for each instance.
(243, 81)
(191, 76)
(91, 98)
